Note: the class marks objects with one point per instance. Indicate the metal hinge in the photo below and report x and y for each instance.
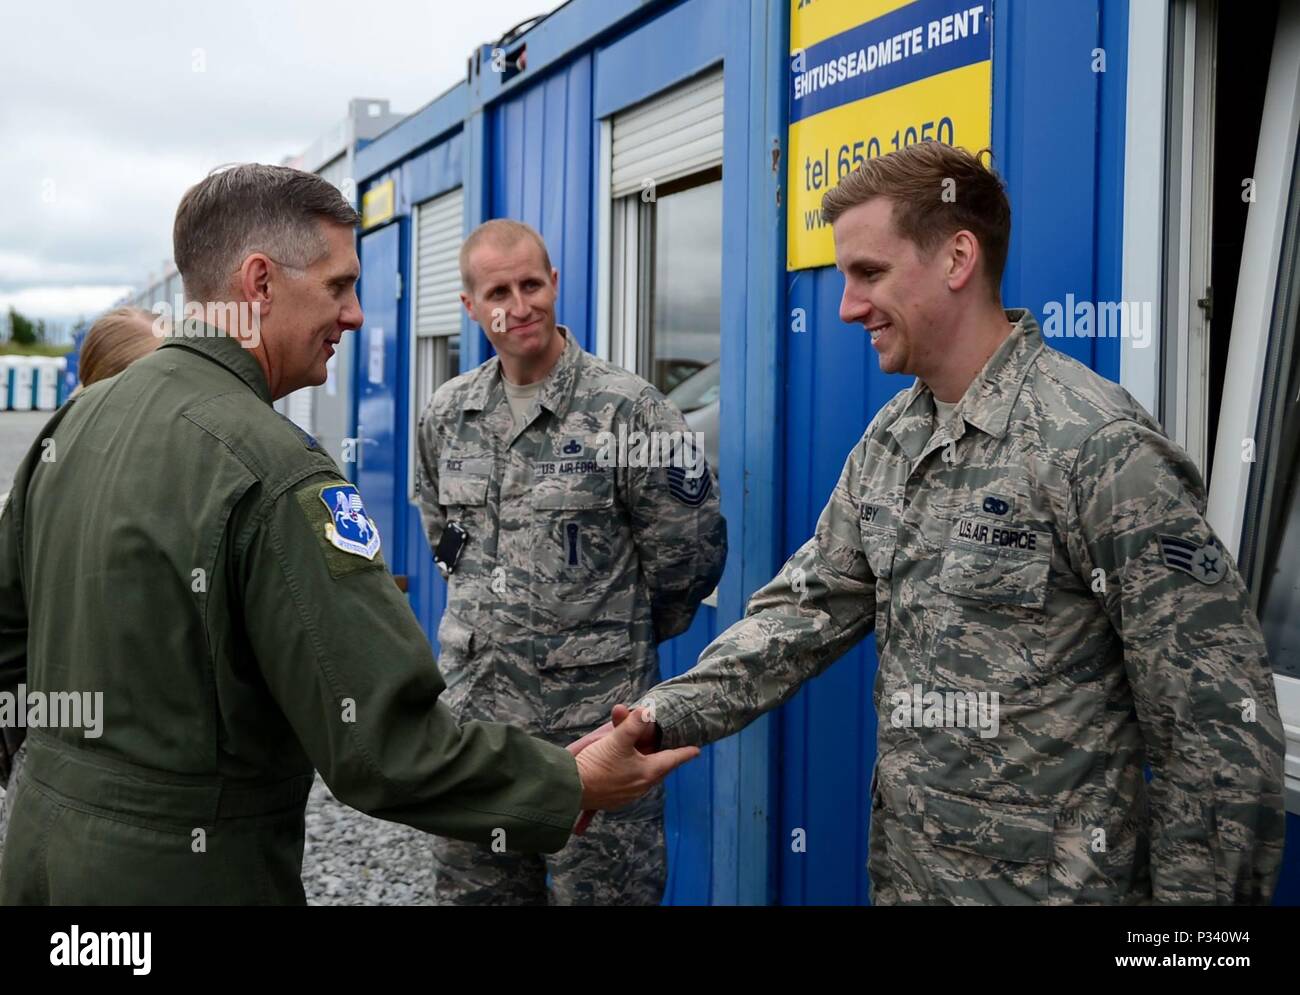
(1206, 303)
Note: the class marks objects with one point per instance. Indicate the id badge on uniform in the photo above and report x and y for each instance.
(450, 546)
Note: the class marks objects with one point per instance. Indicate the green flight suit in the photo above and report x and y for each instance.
(171, 542)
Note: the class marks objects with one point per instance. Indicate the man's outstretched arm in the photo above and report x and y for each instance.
(820, 604)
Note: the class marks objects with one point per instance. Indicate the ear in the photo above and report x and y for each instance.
(555, 278)
(255, 281)
(963, 258)
(468, 303)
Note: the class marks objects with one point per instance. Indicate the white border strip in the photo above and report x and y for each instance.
(1144, 173)
(1257, 284)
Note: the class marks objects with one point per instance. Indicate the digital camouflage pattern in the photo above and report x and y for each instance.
(576, 566)
(1049, 545)
(175, 555)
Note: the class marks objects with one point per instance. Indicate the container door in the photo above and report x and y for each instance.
(377, 372)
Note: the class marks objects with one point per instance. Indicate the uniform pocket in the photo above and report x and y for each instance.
(459, 489)
(455, 638)
(995, 577)
(991, 633)
(456, 646)
(987, 853)
(581, 550)
(584, 674)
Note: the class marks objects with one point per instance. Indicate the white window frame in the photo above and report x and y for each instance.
(624, 256)
(620, 239)
(1251, 324)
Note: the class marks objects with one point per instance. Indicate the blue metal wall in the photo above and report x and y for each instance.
(424, 157)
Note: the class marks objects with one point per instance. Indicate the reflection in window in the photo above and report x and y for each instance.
(686, 280)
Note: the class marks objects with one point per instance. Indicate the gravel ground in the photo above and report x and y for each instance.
(350, 858)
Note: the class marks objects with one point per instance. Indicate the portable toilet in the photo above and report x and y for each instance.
(48, 370)
(6, 373)
(20, 383)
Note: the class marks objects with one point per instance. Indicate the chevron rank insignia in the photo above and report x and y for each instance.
(1206, 563)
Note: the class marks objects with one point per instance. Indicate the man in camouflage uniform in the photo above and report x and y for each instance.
(1052, 611)
(579, 558)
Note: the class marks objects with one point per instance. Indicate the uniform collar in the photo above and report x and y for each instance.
(222, 349)
(988, 400)
(555, 395)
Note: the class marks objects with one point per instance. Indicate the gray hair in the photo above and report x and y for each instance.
(250, 207)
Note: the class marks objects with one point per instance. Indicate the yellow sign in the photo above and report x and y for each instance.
(378, 204)
(868, 77)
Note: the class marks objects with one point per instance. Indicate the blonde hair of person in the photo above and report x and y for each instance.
(114, 342)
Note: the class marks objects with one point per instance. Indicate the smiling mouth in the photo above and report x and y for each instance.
(527, 326)
(877, 330)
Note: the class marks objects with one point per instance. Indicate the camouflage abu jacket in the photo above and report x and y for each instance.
(584, 549)
(1052, 612)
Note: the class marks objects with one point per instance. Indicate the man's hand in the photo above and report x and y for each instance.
(615, 765)
(646, 744)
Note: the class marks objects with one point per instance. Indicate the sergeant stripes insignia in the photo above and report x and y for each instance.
(1206, 563)
(689, 490)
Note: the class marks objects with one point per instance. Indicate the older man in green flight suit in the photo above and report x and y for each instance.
(174, 544)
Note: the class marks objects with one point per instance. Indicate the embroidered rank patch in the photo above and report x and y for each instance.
(350, 528)
(1206, 563)
(689, 491)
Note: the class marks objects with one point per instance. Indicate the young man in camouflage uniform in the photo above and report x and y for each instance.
(1033, 555)
(571, 557)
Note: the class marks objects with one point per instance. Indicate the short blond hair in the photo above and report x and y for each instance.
(503, 233)
(114, 342)
(917, 179)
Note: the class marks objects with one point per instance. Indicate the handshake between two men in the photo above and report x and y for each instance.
(619, 762)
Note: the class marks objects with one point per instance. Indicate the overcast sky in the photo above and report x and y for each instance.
(110, 110)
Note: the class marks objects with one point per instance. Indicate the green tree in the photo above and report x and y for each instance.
(22, 331)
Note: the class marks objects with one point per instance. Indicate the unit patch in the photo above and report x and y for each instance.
(350, 528)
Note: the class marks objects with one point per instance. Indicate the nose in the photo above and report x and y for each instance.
(352, 317)
(519, 306)
(854, 308)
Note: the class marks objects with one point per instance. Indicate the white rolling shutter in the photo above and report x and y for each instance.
(439, 223)
(672, 135)
(435, 306)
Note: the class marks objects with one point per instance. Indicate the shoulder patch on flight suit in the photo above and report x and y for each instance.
(1205, 563)
(348, 535)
